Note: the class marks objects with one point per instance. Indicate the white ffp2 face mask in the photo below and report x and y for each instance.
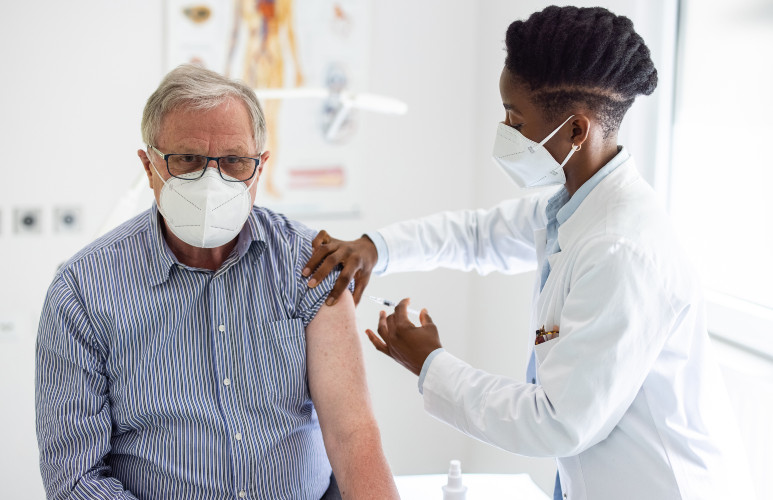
(207, 212)
(527, 162)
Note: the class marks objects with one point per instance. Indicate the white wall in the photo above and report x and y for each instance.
(76, 76)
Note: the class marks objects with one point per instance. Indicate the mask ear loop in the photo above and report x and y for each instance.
(154, 167)
(546, 139)
(575, 148)
(256, 175)
(157, 172)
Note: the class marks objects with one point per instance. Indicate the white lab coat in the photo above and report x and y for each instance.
(628, 397)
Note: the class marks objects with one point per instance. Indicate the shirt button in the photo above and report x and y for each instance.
(227, 381)
(238, 436)
(242, 494)
(221, 328)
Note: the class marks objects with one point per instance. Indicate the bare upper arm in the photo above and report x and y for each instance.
(340, 393)
(336, 371)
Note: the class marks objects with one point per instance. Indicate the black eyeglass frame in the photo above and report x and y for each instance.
(216, 159)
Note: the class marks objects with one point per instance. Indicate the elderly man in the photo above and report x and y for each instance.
(182, 355)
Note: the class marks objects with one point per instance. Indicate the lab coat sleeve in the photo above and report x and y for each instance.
(72, 404)
(614, 323)
(497, 239)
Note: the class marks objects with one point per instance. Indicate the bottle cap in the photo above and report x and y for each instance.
(454, 490)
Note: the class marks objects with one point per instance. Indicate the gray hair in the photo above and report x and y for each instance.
(198, 88)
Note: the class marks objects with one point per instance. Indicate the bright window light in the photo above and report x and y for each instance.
(722, 169)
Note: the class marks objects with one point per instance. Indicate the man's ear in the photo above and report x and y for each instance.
(146, 165)
(580, 129)
(264, 156)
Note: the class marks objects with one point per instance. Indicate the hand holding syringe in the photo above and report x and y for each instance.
(402, 339)
(391, 303)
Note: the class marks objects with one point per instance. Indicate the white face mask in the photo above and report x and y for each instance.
(207, 212)
(527, 162)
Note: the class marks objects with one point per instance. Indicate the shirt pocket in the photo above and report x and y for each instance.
(283, 360)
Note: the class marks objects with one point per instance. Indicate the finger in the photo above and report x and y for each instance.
(377, 342)
(321, 238)
(330, 262)
(390, 322)
(383, 328)
(424, 318)
(401, 313)
(317, 256)
(342, 283)
(360, 282)
(402, 307)
(318, 253)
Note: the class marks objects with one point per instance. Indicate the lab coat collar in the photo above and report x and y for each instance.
(569, 207)
(560, 206)
(576, 224)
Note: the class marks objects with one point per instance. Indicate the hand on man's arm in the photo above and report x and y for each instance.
(358, 258)
(340, 393)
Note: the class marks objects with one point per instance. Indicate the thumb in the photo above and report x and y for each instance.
(424, 318)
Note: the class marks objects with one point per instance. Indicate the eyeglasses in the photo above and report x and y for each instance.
(192, 167)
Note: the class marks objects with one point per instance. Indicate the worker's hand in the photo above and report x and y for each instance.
(358, 258)
(403, 341)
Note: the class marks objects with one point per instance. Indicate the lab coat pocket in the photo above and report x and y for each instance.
(541, 350)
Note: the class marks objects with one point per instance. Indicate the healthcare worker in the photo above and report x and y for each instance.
(623, 389)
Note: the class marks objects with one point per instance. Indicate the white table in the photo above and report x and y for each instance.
(479, 487)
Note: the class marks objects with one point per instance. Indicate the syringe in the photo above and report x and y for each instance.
(391, 303)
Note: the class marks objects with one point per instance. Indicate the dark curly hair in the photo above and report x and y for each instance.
(572, 56)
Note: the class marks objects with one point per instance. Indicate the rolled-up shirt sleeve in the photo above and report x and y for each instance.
(71, 398)
(310, 300)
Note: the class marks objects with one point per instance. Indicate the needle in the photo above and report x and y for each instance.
(390, 303)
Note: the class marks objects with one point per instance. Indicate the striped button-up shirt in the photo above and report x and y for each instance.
(155, 380)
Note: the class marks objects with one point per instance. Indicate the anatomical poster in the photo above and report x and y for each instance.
(316, 51)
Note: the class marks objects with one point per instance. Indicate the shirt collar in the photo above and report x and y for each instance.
(161, 258)
(251, 237)
(561, 206)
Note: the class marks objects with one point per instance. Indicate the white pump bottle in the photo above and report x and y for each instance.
(455, 490)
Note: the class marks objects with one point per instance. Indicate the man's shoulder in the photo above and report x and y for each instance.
(278, 229)
(288, 245)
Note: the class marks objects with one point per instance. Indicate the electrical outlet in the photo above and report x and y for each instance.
(28, 221)
(67, 219)
(9, 329)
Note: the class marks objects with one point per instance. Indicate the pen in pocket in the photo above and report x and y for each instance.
(543, 336)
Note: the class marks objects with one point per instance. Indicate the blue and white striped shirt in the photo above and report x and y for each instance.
(173, 382)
